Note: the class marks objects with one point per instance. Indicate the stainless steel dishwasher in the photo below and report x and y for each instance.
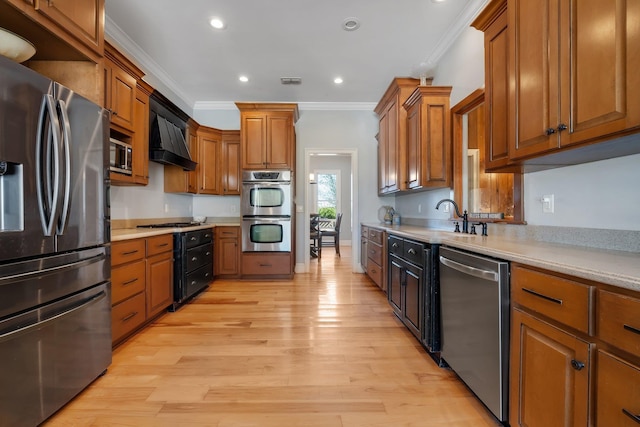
(474, 294)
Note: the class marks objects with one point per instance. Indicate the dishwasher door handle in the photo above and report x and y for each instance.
(471, 271)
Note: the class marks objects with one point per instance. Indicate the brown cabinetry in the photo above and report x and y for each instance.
(374, 243)
(230, 178)
(267, 135)
(142, 282)
(568, 334)
(428, 154)
(140, 161)
(392, 137)
(209, 156)
(267, 265)
(226, 250)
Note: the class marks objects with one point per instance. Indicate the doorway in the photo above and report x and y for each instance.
(331, 183)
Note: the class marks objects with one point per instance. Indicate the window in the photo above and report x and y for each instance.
(328, 200)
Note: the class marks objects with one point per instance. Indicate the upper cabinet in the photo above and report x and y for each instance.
(140, 160)
(392, 137)
(231, 179)
(209, 160)
(267, 135)
(84, 20)
(570, 83)
(428, 154)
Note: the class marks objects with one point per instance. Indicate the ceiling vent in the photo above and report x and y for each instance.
(290, 80)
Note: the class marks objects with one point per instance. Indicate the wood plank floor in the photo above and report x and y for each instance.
(322, 350)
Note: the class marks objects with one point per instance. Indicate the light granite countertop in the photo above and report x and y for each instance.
(136, 233)
(615, 268)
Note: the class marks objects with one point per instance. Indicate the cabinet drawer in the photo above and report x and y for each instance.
(413, 252)
(199, 256)
(364, 231)
(374, 271)
(563, 300)
(619, 321)
(159, 244)
(127, 316)
(376, 235)
(198, 237)
(374, 252)
(266, 264)
(227, 232)
(127, 281)
(395, 246)
(127, 251)
(617, 393)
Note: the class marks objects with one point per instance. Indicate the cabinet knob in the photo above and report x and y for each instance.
(577, 365)
(395, 245)
(550, 131)
(194, 259)
(562, 127)
(411, 251)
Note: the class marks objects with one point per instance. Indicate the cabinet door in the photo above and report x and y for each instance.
(393, 156)
(226, 251)
(254, 140)
(602, 85)
(534, 71)
(435, 141)
(413, 300)
(363, 253)
(383, 141)
(394, 285)
(414, 155)
(550, 372)
(82, 19)
(210, 148)
(279, 140)
(140, 164)
(496, 54)
(123, 95)
(159, 283)
(231, 171)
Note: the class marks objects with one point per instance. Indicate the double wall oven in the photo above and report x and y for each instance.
(266, 206)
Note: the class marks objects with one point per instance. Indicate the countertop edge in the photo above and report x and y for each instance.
(138, 233)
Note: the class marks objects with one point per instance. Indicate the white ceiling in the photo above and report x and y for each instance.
(270, 39)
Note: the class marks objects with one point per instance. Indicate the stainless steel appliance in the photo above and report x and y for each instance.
(266, 193)
(475, 324)
(267, 206)
(55, 302)
(120, 156)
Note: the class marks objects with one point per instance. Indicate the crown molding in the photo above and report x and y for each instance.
(309, 106)
(461, 23)
(114, 34)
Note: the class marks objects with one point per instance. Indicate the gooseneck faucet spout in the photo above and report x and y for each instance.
(464, 216)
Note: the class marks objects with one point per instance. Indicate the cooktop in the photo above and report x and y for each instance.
(170, 225)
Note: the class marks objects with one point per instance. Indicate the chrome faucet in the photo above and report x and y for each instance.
(464, 216)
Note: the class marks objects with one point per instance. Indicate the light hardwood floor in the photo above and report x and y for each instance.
(322, 350)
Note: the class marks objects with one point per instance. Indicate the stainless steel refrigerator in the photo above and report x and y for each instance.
(55, 301)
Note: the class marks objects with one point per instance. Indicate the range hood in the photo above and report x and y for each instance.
(167, 144)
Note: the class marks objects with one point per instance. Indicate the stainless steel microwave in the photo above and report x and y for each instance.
(120, 157)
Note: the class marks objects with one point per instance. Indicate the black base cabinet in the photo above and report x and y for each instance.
(412, 288)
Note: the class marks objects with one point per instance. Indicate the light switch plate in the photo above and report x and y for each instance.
(547, 203)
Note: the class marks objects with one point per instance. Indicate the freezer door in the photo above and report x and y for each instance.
(24, 109)
(84, 213)
(32, 283)
(50, 354)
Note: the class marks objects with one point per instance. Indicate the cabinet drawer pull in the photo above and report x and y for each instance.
(371, 251)
(395, 245)
(129, 316)
(411, 251)
(128, 282)
(194, 259)
(578, 366)
(632, 329)
(193, 239)
(265, 265)
(208, 253)
(554, 300)
(162, 245)
(635, 418)
(550, 131)
(130, 252)
(207, 235)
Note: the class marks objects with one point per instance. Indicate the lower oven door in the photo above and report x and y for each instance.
(266, 234)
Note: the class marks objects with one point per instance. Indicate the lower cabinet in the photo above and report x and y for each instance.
(226, 252)
(373, 252)
(141, 282)
(406, 283)
(575, 352)
(267, 265)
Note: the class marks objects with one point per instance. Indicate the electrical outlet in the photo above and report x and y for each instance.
(548, 203)
(233, 208)
(166, 207)
(419, 208)
(445, 208)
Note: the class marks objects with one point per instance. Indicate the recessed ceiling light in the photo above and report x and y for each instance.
(351, 24)
(338, 80)
(243, 79)
(438, 1)
(217, 23)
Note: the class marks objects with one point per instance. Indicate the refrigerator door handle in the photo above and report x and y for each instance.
(89, 301)
(66, 139)
(48, 200)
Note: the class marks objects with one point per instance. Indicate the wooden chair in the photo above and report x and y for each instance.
(315, 234)
(335, 232)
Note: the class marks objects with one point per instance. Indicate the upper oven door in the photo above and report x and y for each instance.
(266, 199)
